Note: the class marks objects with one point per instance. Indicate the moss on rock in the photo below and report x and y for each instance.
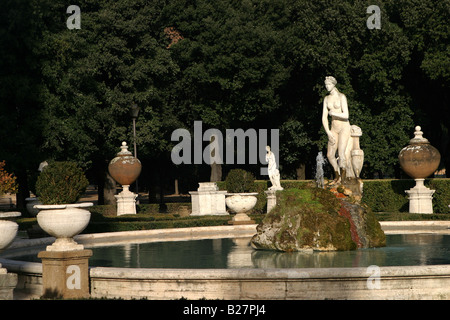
(312, 219)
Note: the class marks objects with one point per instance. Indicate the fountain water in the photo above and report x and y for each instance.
(320, 161)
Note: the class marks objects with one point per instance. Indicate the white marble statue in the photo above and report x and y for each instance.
(274, 173)
(335, 105)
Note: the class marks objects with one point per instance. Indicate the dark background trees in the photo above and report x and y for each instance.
(66, 94)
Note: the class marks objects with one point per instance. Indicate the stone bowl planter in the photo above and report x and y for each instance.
(8, 231)
(241, 203)
(64, 222)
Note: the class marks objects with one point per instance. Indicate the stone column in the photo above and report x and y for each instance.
(65, 274)
(271, 199)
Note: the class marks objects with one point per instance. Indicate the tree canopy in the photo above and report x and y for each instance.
(66, 93)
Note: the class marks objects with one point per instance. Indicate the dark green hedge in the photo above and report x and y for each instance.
(262, 185)
(389, 195)
(385, 195)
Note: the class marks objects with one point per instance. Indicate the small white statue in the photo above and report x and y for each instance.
(274, 173)
(335, 105)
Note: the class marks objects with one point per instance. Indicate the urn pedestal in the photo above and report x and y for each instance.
(126, 201)
(125, 169)
(419, 160)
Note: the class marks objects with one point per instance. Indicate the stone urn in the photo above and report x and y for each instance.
(8, 231)
(357, 155)
(30, 203)
(241, 204)
(64, 222)
(419, 160)
(125, 169)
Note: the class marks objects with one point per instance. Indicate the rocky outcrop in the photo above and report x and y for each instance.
(314, 219)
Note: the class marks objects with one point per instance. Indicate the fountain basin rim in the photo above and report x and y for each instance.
(245, 273)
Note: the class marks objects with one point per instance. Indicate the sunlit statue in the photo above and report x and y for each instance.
(274, 173)
(335, 105)
(343, 138)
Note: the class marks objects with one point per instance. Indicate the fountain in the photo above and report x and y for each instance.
(325, 219)
(226, 278)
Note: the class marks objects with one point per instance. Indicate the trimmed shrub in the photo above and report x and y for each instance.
(61, 182)
(239, 181)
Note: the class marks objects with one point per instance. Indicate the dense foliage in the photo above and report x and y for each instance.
(61, 182)
(8, 182)
(65, 94)
(238, 181)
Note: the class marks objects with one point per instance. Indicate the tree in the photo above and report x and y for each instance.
(92, 76)
(20, 118)
(427, 76)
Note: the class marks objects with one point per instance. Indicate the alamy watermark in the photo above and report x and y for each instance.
(374, 20)
(374, 280)
(235, 153)
(73, 21)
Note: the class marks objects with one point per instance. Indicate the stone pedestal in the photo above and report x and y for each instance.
(241, 218)
(65, 274)
(8, 282)
(420, 198)
(271, 199)
(126, 201)
(208, 200)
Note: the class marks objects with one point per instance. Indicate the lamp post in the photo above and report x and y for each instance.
(134, 112)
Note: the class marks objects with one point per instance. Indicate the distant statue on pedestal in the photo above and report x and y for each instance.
(274, 173)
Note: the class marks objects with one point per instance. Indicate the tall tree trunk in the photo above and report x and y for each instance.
(109, 189)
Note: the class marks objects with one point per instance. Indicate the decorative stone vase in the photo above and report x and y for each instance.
(125, 169)
(64, 222)
(357, 155)
(419, 160)
(357, 161)
(31, 202)
(241, 203)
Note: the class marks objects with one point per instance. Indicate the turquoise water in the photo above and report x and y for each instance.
(401, 250)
